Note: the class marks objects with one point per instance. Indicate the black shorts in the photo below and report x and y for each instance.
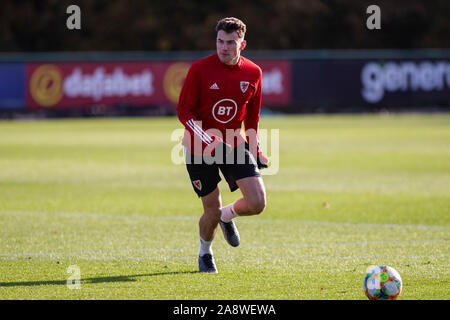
(204, 173)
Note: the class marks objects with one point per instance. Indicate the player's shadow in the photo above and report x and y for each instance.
(127, 278)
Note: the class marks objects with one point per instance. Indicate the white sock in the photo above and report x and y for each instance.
(228, 213)
(205, 247)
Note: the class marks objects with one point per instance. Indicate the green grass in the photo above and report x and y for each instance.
(103, 194)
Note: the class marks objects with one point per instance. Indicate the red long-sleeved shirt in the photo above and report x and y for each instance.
(216, 97)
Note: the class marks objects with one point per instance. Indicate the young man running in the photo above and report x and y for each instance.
(219, 93)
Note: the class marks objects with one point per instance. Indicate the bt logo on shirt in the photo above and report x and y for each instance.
(224, 110)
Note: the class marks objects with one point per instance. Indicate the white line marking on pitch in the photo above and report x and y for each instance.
(288, 256)
(51, 255)
(95, 253)
(256, 220)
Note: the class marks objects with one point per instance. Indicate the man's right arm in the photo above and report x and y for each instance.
(187, 104)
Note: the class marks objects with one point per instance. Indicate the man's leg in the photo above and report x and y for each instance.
(207, 229)
(253, 202)
(211, 215)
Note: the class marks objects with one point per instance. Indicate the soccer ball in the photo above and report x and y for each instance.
(382, 283)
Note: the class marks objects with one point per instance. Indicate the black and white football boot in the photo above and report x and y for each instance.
(230, 232)
(206, 263)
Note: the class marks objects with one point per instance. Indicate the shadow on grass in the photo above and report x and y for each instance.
(128, 278)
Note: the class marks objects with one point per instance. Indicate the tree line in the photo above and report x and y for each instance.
(171, 25)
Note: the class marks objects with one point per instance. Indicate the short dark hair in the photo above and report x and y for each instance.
(231, 24)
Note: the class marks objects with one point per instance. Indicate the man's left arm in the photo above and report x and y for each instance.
(251, 121)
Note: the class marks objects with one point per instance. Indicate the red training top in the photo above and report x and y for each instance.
(216, 97)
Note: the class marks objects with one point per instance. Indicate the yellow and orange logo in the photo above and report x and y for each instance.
(173, 80)
(46, 85)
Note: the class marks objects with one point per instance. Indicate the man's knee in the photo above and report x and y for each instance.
(257, 204)
(213, 212)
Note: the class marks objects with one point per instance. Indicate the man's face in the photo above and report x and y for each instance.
(229, 47)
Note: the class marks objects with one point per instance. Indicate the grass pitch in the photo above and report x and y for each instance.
(104, 195)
